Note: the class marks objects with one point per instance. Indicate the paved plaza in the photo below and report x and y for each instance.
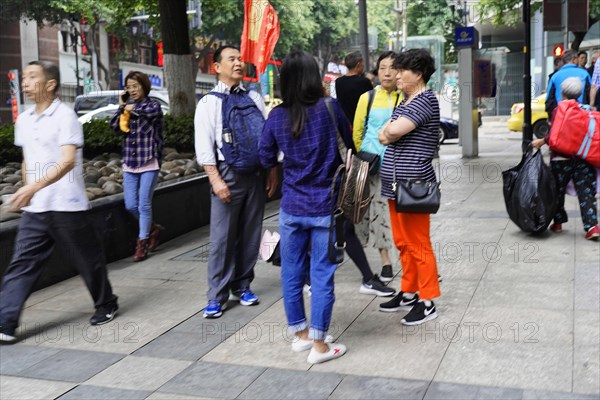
(519, 317)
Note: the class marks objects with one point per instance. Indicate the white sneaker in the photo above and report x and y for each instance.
(306, 289)
(336, 350)
(300, 345)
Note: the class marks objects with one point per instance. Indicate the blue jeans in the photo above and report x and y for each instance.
(296, 234)
(139, 189)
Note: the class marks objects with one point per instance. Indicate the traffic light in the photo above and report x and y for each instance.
(558, 50)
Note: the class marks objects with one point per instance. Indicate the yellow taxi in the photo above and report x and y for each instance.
(539, 117)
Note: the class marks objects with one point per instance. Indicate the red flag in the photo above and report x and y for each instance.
(261, 31)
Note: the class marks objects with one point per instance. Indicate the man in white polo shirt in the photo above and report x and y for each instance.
(54, 203)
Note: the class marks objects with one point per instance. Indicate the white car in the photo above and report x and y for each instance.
(94, 100)
(107, 112)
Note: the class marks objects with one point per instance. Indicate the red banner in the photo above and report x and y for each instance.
(260, 34)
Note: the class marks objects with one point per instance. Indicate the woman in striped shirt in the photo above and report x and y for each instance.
(412, 138)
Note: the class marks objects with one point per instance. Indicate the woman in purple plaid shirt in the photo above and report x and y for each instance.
(140, 121)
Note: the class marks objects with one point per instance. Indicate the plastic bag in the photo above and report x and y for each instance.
(530, 193)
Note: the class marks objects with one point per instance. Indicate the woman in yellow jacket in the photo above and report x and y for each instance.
(374, 109)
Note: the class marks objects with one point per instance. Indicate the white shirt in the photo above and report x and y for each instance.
(41, 137)
(208, 124)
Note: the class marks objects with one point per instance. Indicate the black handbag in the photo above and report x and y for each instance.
(337, 238)
(416, 196)
(373, 159)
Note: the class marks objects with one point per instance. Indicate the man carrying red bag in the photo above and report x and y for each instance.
(575, 144)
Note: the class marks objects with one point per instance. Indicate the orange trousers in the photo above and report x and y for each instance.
(419, 268)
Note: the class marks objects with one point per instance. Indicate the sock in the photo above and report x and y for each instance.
(427, 303)
(408, 295)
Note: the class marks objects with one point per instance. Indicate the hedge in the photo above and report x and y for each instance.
(99, 138)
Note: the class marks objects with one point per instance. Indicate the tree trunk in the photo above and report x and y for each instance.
(577, 39)
(179, 71)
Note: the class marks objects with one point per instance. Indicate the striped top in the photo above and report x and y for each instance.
(412, 154)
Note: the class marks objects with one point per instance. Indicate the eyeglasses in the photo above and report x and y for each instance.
(133, 87)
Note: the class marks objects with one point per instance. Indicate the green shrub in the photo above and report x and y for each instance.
(8, 151)
(99, 138)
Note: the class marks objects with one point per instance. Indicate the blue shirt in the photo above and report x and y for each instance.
(568, 71)
(310, 160)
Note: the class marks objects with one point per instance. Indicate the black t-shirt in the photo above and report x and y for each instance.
(348, 90)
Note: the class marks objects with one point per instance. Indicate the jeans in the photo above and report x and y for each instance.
(296, 234)
(139, 188)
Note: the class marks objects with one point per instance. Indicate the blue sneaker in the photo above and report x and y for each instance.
(247, 298)
(214, 309)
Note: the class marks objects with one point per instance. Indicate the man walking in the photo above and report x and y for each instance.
(569, 70)
(228, 124)
(54, 202)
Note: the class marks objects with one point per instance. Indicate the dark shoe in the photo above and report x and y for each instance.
(104, 314)
(387, 274)
(556, 228)
(141, 250)
(7, 335)
(376, 287)
(420, 314)
(246, 297)
(153, 239)
(593, 233)
(399, 302)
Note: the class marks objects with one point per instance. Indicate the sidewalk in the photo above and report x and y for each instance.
(519, 317)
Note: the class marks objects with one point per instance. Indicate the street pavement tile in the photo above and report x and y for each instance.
(360, 387)
(139, 373)
(213, 380)
(586, 368)
(286, 384)
(38, 326)
(546, 327)
(85, 392)
(173, 396)
(16, 358)
(533, 269)
(536, 295)
(71, 365)
(549, 395)
(471, 360)
(587, 297)
(176, 345)
(452, 391)
(16, 388)
(124, 335)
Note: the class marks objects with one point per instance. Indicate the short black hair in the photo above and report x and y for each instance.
(383, 56)
(51, 71)
(217, 55)
(582, 52)
(416, 60)
(352, 59)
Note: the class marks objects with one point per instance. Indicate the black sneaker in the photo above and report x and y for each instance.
(104, 314)
(420, 314)
(7, 335)
(387, 274)
(439, 278)
(376, 287)
(399, 302)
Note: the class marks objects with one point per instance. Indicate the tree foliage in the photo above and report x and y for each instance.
(508, 12)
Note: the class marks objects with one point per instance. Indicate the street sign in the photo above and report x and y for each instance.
(466, 36)
(15, 93)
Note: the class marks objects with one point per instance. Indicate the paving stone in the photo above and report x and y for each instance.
(16, 358)
(16, 388)
(71, 365)
(139, 373)
(103, 393)
(360, 387)
(549, 395)
(213, 380)
(286, 384)
(176, 345)
(449, 391)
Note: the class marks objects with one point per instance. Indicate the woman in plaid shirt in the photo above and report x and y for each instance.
(140, 120)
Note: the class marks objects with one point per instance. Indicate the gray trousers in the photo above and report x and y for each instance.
(37, 235)
(235, 231)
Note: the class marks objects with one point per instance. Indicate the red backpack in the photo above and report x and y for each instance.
(576, 132)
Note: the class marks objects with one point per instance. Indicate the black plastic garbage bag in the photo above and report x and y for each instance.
(530, 193)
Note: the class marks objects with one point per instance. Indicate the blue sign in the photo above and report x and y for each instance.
(466, 36)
